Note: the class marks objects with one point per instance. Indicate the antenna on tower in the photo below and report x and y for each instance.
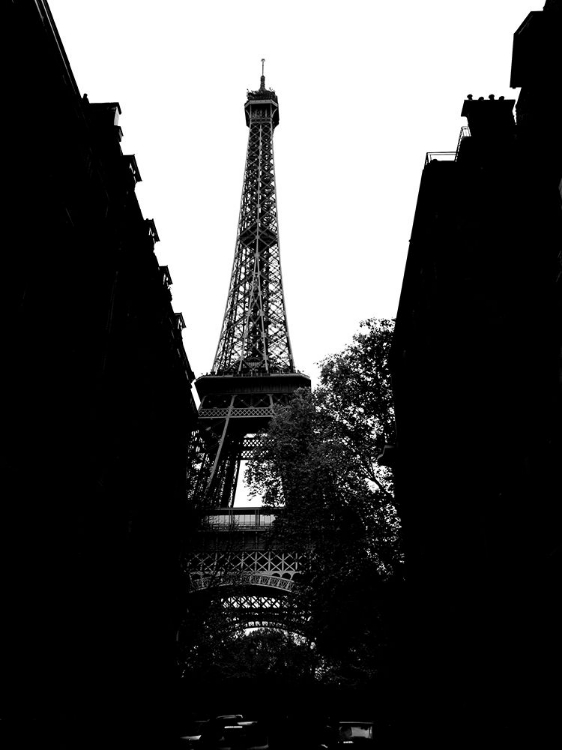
(262, 81)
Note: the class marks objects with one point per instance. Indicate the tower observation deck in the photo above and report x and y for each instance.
(253, 368)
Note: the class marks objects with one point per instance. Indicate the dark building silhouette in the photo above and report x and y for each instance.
(97, 412)
(477, 379)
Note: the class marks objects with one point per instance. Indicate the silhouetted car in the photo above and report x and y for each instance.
(355, 733)
(228, 718)
(191, 734)
(239, 735)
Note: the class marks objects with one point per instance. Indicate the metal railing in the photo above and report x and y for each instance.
(465, 133)
(440, 156)
(448, 155)
(239, 518)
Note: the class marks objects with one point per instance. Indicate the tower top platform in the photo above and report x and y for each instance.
(262, 103)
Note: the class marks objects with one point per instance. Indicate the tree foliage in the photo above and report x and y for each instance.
(319, 463)
(216, 654)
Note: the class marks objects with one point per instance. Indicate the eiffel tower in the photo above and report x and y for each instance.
(253, 368)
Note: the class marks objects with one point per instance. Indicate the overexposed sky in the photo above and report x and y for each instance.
(365, 88)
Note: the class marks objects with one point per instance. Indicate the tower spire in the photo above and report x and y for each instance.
(262, 79)
(254, 336)
(253, 368)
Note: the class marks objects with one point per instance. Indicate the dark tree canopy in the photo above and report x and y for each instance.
(319, 462)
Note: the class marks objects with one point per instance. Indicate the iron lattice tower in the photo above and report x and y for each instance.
(253, 368)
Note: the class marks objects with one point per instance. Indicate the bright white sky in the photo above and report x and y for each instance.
(365, 88)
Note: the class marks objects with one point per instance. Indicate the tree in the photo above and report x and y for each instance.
(319, 462)
(356, 392)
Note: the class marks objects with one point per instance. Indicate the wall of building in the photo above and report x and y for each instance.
(97, 412)
(476, 373)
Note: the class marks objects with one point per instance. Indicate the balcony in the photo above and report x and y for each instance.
(240, 519)
(448, 155)
(440, 156)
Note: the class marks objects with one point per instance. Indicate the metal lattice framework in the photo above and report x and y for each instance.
(253, 369)
(253, 372)
(249, 610)
(254, 336)
(273, 569)
(241, 563)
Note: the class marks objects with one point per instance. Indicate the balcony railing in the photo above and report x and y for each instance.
(448, 155)
(440, 156)
(239, 518)
(465, 133)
